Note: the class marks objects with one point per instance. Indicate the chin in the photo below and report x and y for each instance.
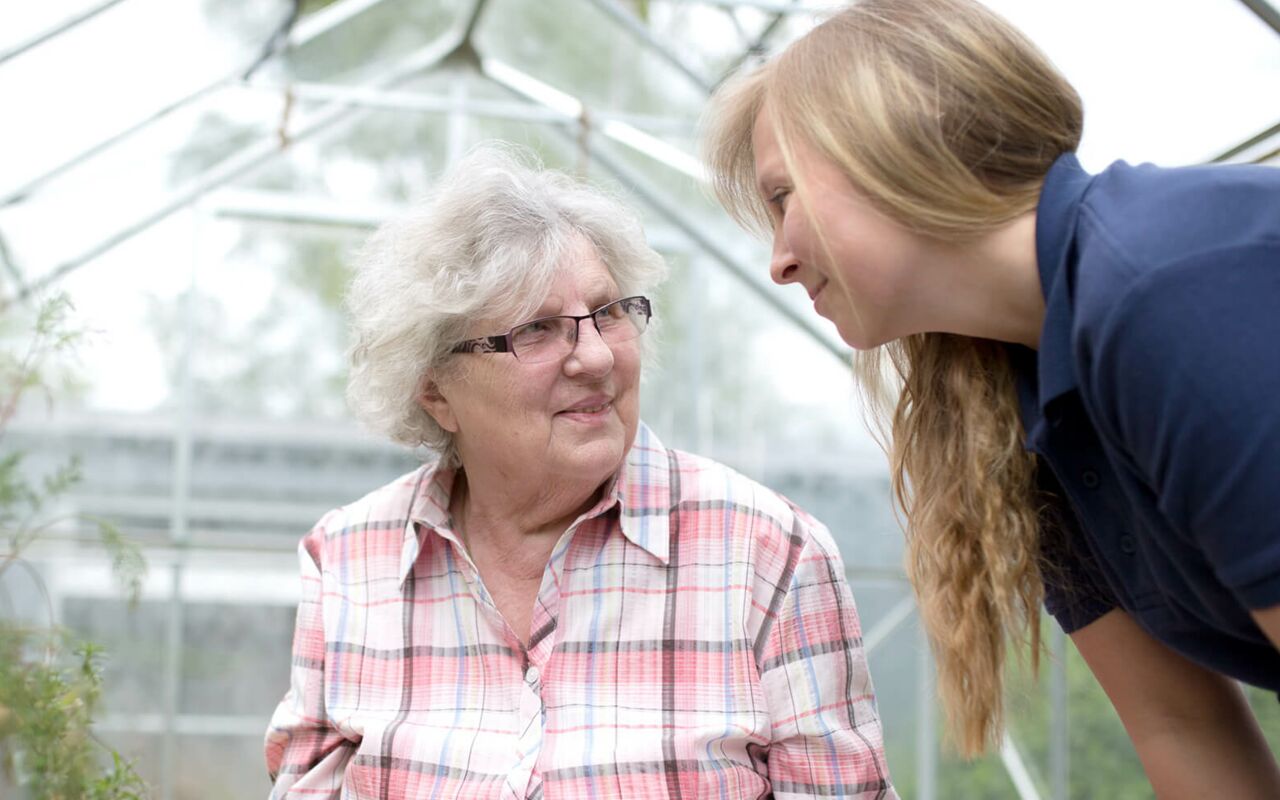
(859, 339)
(597, 460)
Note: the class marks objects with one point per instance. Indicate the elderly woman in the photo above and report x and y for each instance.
(558, 605)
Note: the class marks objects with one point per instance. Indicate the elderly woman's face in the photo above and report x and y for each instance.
(573, 417)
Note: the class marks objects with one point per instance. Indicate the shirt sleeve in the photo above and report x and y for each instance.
(1075, 591)
(1186, 371)
(827, 740)
(306, 756)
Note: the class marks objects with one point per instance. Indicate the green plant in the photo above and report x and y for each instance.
(50, 682)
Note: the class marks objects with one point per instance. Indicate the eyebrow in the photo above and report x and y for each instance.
(768, 184)
(597, 296)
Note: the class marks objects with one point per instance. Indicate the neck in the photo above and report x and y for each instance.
(991, 288)
(521, 522)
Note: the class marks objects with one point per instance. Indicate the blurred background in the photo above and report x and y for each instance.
(194, 176)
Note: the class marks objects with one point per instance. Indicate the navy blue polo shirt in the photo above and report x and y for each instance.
(1154, 403)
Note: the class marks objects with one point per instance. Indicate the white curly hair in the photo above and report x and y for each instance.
(484, 245)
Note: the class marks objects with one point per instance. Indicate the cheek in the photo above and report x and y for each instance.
(795, 233)
(519, 402)
(810, 237)
(627, 368)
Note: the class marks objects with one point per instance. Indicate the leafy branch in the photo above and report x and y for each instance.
(50, 682)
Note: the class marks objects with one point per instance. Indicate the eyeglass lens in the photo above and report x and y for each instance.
(553, 337)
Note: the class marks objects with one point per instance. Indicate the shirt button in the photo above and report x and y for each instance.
(1127, 545)
(1090, 479)
(531, 675)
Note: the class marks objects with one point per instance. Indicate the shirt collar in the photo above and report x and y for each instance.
(1056, 216)
(428, 511)
(641, 488)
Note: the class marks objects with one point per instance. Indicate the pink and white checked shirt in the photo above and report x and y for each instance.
(694, 636)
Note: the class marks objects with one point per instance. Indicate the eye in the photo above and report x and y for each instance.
(534, 331)
(778, 199)
(610, 313)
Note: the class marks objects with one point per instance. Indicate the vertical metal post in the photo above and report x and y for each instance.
(178, 523)
(926, 722)
(1059, 753)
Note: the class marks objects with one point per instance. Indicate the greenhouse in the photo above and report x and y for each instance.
(184, 186)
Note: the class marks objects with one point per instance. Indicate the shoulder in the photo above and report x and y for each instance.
(775, 526)
(1154, 214)
(1153, 244)
(386, 510)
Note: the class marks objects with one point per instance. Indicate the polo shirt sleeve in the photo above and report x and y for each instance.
(1075, 591)
(1186, 382)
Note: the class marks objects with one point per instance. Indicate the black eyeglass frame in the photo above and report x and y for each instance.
(502, 343)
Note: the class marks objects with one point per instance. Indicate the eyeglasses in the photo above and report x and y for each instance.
(551, 338)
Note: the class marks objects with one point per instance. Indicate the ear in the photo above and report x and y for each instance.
(434, 402)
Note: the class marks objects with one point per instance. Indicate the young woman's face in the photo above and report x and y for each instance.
(863, 271)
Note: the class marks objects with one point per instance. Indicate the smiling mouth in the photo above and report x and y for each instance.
(814, 294)
(589, 409)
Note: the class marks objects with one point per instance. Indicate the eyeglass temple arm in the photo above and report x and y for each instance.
(485, 344)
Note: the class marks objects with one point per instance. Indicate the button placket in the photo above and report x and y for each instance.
(531, 721)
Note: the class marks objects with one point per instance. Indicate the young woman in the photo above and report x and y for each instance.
(1089, 409)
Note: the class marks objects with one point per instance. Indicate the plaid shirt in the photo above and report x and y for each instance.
(693, 636)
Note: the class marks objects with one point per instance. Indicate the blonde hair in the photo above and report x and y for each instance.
(946, 119)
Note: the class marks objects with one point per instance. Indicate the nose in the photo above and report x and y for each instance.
(591, 354)
(783, 265)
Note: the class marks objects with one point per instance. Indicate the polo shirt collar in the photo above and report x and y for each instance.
(641, 488)
(1056, 216)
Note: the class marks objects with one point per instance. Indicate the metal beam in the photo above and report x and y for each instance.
(1247, 144)
(1017, 769)
(326, 19)
(572, 109)
(306, 30)
(450, 46)
(282, 208)
(1266, 12)
(56, 30)
(767, 6)
(392, 100)
(887, 624)
(757, 46)
(646, 37)
(242, 163)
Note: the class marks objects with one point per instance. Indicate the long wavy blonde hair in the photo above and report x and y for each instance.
(947, 119)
